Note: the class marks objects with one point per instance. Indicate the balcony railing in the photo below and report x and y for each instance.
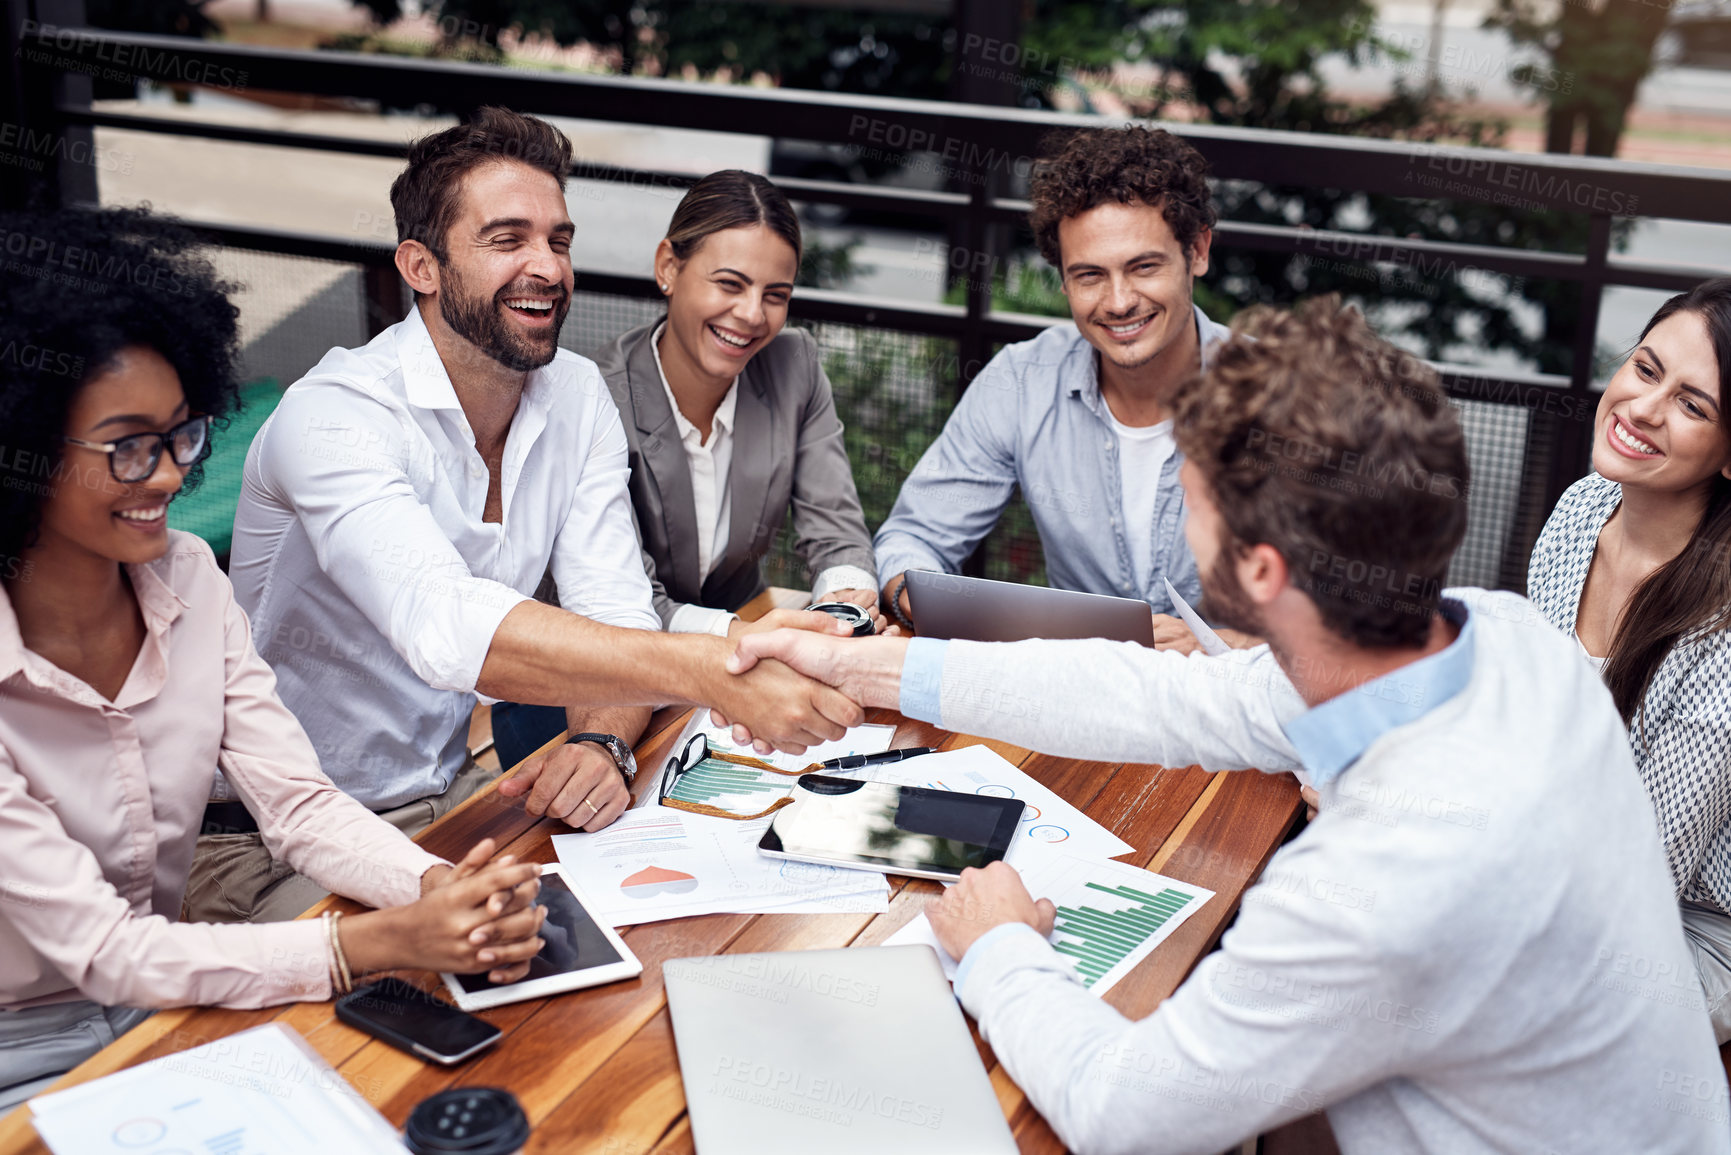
(978, 148)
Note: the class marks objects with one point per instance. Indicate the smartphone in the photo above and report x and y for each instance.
(412, 1020)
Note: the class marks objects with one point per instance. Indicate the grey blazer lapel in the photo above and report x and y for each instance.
(753, 463)
(664, 456)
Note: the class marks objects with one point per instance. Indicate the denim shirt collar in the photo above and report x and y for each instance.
(1084, 381)
(1332, 736)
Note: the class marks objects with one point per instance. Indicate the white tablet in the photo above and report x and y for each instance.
(579, 952)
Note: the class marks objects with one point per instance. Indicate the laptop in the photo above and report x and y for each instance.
(845, 1052)
(982, 610)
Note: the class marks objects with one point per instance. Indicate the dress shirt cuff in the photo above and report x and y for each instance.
(898, 555)
(1003, 948)
(923, 680)
(414, 863)
(295, 958)
(690, 619)
(842, 577)
(454, 661)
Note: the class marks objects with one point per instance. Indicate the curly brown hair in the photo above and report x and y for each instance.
(1121, 165)
(1318, 437)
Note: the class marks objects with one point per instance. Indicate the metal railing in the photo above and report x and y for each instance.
(978, 146)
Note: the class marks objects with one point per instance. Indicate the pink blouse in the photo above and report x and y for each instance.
(101, 802)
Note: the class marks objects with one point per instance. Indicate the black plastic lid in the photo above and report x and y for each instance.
(848, 612)
(469, 1120)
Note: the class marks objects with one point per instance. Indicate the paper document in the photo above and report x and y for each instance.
(1111, 916)
(1212, 645)
(1049, 824)
(658, 863)
(259, 1092)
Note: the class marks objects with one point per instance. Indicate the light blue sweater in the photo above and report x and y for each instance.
(1474, 948)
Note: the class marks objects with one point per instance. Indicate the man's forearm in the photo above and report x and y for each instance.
(547, 656)
(627, 722)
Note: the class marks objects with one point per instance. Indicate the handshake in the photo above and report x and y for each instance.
(798, 677)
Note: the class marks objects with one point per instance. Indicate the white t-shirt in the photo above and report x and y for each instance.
(1142, 454)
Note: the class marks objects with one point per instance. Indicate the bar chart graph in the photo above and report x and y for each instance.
(1101, 933)
(1110, 917)
(719, 783)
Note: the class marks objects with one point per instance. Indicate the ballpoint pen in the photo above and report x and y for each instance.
(856, 761)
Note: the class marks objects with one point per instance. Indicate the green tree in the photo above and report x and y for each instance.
(1599, 55)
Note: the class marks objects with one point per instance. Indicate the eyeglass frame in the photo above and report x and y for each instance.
(163, 440)
(681, 762)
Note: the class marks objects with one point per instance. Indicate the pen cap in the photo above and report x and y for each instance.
(467, 1121)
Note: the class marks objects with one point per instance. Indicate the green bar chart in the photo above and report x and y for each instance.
(1102, 932)
(716, 782)
(1110, 917)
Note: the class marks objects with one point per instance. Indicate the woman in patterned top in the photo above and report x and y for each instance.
(1635, 562)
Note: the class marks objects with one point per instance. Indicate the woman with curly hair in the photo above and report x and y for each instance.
(128, 676)
(1635, 563)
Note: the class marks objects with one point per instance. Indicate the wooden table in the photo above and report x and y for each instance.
(596, 1070)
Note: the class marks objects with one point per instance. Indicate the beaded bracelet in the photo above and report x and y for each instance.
(896, 603)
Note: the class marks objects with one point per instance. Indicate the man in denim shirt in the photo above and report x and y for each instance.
(1078, 416)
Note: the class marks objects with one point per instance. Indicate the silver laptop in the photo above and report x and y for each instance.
(981, 610)
(844, 1052)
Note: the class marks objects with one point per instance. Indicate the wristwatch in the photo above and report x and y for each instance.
(614, 745)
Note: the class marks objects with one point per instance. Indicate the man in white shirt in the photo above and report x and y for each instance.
(1474, 947)
(403, 502)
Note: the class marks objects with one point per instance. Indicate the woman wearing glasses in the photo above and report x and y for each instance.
(128, 676)
(1635, 562)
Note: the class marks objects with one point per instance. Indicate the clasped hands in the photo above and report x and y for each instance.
(479, 915)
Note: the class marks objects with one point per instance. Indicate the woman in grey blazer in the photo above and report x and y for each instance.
(730, 419)
(730, 424)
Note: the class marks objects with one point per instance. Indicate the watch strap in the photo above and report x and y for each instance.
(616, 749)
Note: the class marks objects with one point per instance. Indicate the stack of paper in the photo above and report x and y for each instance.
(259, 1092)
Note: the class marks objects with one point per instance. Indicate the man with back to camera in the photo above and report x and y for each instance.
(1474, 947)
(403, 502)
(1080, 417)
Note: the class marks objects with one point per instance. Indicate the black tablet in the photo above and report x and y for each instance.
(893, 829)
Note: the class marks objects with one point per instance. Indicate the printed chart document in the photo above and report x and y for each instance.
(658, 863)
(259, 1092)
(1049, 824)
(1111, 916)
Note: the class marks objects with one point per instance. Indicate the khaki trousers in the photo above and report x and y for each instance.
(39, 1045)
(234, 878)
